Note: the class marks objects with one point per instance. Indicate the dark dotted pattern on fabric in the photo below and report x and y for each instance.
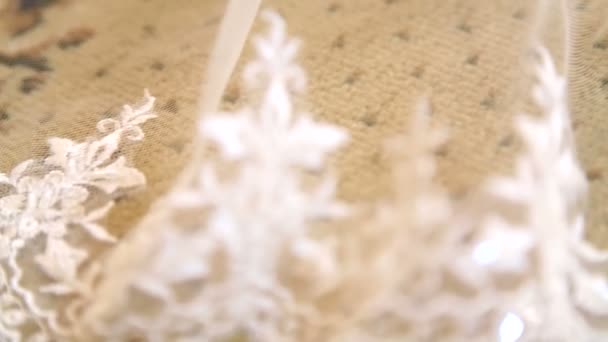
(520, 14)
(338, 43)
(489, 102)
(158, 66)
(101, 72)
(403, 35)
(32, 83)
(602, 45)
(464, 27)
(594, 174)
(149, 30)
(171, 106)
(369, 119)
(4, 115)
(472, 60)
(26, 60)
(506, 141)
(75, 37)
(353, 77)
(46, 118)
(418, 72)
(334, 7)
(4, 120)
(232, 94)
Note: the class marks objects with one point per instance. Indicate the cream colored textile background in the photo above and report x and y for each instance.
(369, 63)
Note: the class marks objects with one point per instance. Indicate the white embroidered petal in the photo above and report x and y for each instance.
(108, 125)
(470, 270)
(97, 232)
(589, 253)
(223, 228)
(5, 245)
(13, 317)
(509, 189)
(431, 210)
(138, 120)
(131, 115)
(503, 248)
(60, 260)
(12, 203)
(133, 133)
(308, 142)
(550, 91)
(115, 176)
(188, 199)
(534, 132)
(98, 213)
(18, 170)
(572, 179)
(592, 294)
(487, 252)
(28, 227)
(323, 204)
(99, 152)
(59, 151)
(153, 287)
(227, 132)
(73, 196)
(57, 289)
(56, 229)
(313, 251)
(180, 258)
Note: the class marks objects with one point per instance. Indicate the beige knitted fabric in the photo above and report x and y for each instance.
(370, 62)
(589, 102)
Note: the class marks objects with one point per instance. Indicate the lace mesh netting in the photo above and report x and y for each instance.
(341, 196)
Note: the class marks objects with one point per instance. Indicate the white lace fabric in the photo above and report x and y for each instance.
(255, 245)
(45, 201)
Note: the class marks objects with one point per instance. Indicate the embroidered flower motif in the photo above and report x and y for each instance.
(60, 261)
(550, 185)
(503, 248)
(51, 197)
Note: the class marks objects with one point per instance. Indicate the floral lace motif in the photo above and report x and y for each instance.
(227, 238)
(516, 260)
(565, 287)
(513, 265)
(45, 201)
